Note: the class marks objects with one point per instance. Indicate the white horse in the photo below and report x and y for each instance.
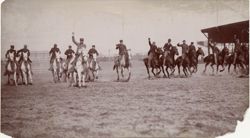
(81, 70)
(122, 62)
(11, 68)
(94, 67)
(26, 69)
(56, 67)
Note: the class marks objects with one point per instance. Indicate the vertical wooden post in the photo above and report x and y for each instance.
(208, 47)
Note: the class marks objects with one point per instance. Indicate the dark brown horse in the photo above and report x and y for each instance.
(241, 60)
(220, 60)
(156, 63)
(193, 56)
(170, 60)
(185, 63)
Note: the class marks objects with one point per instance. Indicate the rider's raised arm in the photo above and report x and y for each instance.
(74, 40)
(149, 42)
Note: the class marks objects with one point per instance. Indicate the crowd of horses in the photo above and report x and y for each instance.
(165, 63)
(85, 69)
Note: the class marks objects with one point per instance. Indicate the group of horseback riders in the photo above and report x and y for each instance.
(70, 53)
(19, 64)
(158, 58)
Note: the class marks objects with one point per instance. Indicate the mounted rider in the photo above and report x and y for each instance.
(11, 50)
(24, 50)
(191, 48)
(122, 52)
(52, 54)
(81, 49)
(167, 48)
(215, 50)
(69, 54)
(92, 51)
(184, 48)
(237, 46)
(152, 52)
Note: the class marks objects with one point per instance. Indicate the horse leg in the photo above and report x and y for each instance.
(167, 72)
(184, 70)
(205, 68)
(83, 79)
(15, 78)
(30, 76)
(223, 68)
(229, 65)
(212, 67)
(189, 69)
(122, 72)
(25, 77)
(129, 74)
(8, 83)
(152, 70)
(179, 71)
(117, 71)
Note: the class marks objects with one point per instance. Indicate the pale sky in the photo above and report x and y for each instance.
(41, 23)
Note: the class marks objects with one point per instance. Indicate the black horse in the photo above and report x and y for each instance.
(170, 60)
(156, 63)
(241, 60)
(220, 60)
(193, 56)
(185, 63)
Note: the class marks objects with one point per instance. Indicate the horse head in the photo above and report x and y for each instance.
(58, 56)
(200, 52)
(25, 56)
(174, 50)
(94, 56)
(11, 56)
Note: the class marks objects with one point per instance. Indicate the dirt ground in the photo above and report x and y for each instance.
(203, 105)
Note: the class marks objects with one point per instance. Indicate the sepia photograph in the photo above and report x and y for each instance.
(124, 68)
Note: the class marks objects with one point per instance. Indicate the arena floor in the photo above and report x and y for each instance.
(203, 105)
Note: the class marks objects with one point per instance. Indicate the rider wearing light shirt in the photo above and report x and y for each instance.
(81, 48)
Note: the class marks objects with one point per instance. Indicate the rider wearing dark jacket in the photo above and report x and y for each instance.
(11, 50)
(92, 51)
(152, 51)
(25, 50)
(52, 53)
(69, 53)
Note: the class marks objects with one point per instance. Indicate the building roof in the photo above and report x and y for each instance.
(225, 33)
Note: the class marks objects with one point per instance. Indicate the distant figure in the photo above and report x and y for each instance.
(167, 48)
(215, 50)
(11, 50)
(52, 54)
(123, 60)
(184, 48)
(81, 48)
(24, 50)
(69, 54)
(152, 52)
(93, 64)
(92, 51)
(122, 49)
